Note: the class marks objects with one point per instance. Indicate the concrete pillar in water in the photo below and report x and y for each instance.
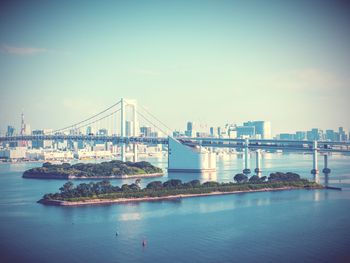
(246, 170)
(326, 170)
(314, 170)
(135, 159)
(122, 129)
(258, 166)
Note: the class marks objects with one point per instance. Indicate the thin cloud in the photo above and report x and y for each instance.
(21, 50)
(147, 72)
(310, 79)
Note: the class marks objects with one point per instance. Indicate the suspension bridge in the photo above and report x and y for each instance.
(120, 124)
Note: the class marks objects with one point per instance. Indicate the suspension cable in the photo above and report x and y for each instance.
(70, 126)
(165, 133)
(164, 125)
(93, 122)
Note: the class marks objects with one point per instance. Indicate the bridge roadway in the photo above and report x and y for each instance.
(253, 144)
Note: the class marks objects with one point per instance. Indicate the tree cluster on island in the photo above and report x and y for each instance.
(277, 176)
(104, 169)
(104, 189)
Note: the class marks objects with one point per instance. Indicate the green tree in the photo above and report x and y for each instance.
(172, 183)
(254, 179)
(67, 187)
(240, 178)
(155, 185)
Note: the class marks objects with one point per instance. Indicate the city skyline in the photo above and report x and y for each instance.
(260, 129)
(222, 61)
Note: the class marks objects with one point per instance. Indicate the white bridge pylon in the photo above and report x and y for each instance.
(125, 104)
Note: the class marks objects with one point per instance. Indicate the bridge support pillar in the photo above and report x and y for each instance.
(246, 170)
(135, 159)
(258, 166)
(314, 170)
(122, 129)
(326, 170)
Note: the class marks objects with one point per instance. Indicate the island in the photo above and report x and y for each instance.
(97, 193)
(105, 170)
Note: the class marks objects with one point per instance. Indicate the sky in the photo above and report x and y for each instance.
(211, 62)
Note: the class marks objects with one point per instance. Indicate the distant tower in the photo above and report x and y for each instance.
(23, 126)
(23, 131)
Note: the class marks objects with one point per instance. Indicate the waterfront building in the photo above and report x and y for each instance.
(13, 154)
(212, 132)
(219, 131)
(342, 134)
(245, 131)
(154, 134)
(102, 132)
(262, 128)
(177, 134)
(232, 133)
(300, 135)
(287, 136)
(10, 130)
(90, 130)
(190, 131)
(145, 131)
(314, 134)
(99, 147)
(37, 144)
(331, 135)
(85, 154)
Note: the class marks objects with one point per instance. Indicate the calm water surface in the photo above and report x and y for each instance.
(286, 226)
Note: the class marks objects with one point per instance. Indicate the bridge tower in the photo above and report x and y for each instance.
(122, 129)
(131, 132)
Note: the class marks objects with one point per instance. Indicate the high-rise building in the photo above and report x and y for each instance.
(331, 135)
(245, 131)
(154, 134)
(103, 132)
(287, 136)
(212, 132)
(262, 128)
(219, 131)
(37, 144)
(145, 131)
(10, 130)
(314, 134)
(190, 131)
(176, 134)
(300, 135)
(89, 130)
(342, 134)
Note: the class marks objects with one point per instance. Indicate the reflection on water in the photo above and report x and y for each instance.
(228, 228)
(317, 196)
(129, 216)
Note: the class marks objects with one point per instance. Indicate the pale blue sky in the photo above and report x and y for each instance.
(208, 61)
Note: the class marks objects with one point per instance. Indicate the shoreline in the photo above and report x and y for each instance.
(152, 199)
(70, 177)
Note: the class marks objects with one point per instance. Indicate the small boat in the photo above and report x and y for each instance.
(144, 243)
